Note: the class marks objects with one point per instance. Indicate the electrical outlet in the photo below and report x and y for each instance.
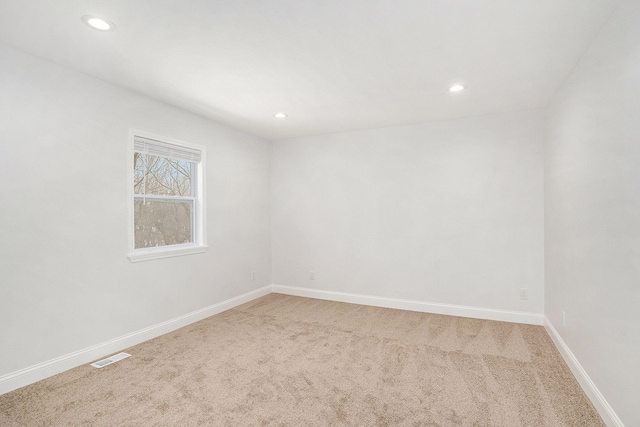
(564, 319)
(253, 276)
(524, 293)
(312, 275)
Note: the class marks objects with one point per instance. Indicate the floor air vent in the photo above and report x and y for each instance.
(109, 360)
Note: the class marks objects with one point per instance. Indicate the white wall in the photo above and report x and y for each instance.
(446, 212)
(592, 212)
(66, 282)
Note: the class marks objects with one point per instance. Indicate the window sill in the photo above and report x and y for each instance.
(156, 253)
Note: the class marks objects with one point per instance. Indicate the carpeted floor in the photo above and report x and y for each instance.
(290, 361)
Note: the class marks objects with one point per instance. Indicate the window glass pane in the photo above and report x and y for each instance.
(161, 223)
(161, 176)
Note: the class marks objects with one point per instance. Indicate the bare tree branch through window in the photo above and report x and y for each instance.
(163, 202)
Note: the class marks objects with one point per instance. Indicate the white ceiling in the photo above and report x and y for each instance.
(332, 65)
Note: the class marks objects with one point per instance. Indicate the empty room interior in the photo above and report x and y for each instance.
(290, 213)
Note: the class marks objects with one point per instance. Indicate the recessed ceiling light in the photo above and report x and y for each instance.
(456, 88)
(280, 115)
(99, 24)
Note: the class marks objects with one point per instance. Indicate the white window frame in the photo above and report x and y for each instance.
(199, 244)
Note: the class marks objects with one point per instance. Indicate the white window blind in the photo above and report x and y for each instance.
(165, 149)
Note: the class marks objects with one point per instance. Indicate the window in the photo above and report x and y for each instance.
(167, 206)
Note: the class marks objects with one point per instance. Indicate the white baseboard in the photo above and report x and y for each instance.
(426, 307)
(597, 399)
(60, 364)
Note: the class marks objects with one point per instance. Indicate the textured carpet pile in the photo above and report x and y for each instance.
(291, 361)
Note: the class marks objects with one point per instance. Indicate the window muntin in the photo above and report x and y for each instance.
(167, 206)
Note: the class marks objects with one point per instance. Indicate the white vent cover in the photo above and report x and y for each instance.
(109, 360)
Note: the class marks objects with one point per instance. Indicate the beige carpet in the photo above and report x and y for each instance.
(290, 361)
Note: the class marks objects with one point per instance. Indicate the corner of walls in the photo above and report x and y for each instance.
(592, 224)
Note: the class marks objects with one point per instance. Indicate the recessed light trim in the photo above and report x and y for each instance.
(97, 23)
(456, 88)
(280, 115)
